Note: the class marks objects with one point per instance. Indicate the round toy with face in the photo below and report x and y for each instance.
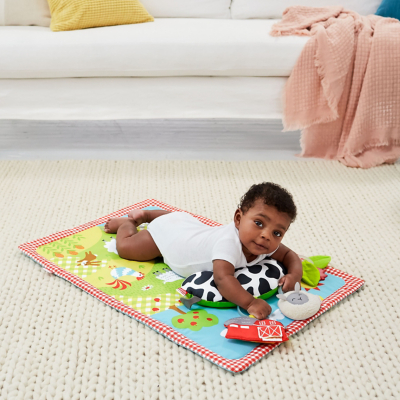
(297, 304)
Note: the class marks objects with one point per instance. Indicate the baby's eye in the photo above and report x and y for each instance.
(277, 233)
(258, 223)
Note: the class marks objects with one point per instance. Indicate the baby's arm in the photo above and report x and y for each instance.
(293, 264)
(232, 290)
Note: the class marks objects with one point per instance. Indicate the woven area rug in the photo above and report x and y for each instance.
(58, 342)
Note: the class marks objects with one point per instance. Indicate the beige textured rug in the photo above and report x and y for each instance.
(57, 342)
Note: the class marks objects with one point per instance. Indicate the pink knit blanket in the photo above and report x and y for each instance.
(344, 91)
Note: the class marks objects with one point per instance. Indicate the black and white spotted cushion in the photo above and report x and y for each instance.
(257, 280)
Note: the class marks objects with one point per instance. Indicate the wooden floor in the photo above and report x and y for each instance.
(211, 139)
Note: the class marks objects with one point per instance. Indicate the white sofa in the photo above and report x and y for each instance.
(203, 81)
(198, 59)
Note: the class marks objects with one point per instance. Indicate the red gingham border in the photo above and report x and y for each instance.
(239, 365)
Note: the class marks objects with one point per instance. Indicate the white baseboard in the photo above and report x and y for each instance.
(225, 139)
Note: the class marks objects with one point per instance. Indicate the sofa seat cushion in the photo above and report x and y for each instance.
(166, 47)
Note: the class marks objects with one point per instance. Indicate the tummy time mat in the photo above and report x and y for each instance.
(86, 256)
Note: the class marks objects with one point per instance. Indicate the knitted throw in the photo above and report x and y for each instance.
(344, 91)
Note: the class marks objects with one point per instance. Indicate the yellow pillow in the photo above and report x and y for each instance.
(68, 15)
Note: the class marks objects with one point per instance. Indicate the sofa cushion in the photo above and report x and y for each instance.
(389, 9)
(37, 12)
(67, 15)
(188, 8)
(165, 47)
(24, 12)
(245, 9)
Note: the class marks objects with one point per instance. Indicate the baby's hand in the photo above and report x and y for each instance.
(287, 282)
(259, 308)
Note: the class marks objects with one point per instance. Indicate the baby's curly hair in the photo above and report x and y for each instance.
(272, 195)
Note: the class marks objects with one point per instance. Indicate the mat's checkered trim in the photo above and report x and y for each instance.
(239, 365)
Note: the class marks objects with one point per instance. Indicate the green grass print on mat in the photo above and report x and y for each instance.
(148, 287)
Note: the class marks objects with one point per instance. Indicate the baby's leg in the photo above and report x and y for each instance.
(131, 244)
(138, 217)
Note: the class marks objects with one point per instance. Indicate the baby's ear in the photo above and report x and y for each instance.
(237, 217)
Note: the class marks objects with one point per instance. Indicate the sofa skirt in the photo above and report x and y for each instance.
(136, 98)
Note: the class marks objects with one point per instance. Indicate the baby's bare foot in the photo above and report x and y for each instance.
(113, 224)
(137, 215)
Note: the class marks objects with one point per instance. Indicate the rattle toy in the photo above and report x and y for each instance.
(313, 269)
(297, 304)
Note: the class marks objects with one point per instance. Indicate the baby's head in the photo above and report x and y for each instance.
(272, 195)
(263, 216)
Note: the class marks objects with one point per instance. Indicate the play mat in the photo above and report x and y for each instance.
(86, 256)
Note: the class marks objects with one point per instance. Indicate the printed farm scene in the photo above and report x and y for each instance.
(151, 288)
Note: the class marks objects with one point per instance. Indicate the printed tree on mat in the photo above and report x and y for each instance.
(194, 320)
(152, 305)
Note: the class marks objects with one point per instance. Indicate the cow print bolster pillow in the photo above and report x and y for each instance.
(257, 280)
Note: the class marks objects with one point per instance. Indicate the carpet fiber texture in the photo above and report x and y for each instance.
(57, 342)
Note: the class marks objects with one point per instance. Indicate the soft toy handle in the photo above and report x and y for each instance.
(242, 314)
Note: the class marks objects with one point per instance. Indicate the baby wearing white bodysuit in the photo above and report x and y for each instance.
(189, 246)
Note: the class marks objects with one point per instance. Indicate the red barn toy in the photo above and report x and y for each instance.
(254, 330)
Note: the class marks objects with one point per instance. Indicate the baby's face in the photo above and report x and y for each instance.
(261, 228)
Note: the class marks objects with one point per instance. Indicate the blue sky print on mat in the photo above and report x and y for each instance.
(211, 337)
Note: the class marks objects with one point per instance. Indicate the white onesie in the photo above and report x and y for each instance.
(189, 246)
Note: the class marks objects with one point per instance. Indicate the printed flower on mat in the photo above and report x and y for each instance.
(147, 287)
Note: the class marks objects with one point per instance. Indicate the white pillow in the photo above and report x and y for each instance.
(188, 8)
(246, 9)
(24, 12)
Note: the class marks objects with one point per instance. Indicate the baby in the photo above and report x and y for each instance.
(263, 216)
